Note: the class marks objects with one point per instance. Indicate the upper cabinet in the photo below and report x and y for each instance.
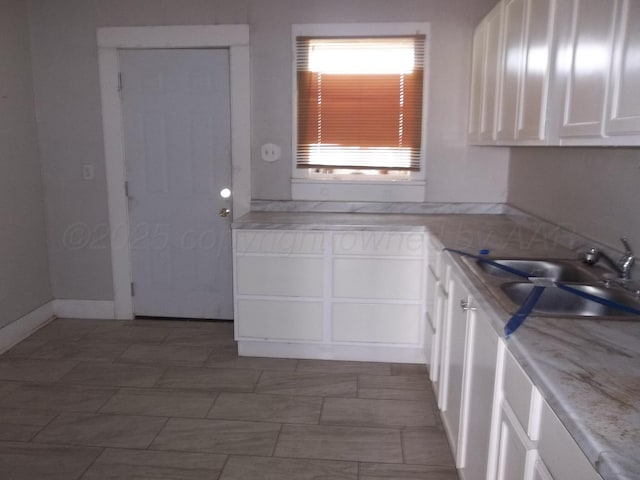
(585, 66)
(623, 114)
(567, 74)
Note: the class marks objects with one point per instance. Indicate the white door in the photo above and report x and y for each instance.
(176, 109)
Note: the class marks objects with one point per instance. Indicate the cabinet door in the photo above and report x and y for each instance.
(511, 70)
(492, 65)
(477, 82)
(514, 449)
(587, 67)
(478, 396)
(453, 360)
(534, 91)
(624, 106)
(437, 346)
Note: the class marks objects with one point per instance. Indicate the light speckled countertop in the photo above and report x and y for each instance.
(587, 370)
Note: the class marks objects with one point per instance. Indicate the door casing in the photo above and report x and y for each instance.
(110, 40)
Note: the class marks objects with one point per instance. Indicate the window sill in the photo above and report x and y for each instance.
(356, 191)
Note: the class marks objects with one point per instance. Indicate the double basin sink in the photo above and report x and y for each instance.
(556, 302)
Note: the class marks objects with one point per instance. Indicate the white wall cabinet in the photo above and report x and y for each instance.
(585, 68)
(624, 101)
(568, 74)
(351, 295)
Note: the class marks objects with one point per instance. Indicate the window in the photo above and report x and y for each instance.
(359, 104)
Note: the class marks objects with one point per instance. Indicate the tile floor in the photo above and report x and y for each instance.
(151, 399)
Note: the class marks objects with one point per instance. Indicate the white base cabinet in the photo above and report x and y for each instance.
(349, 295)
(498, 425)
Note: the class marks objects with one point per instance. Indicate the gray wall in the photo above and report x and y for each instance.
(24, 274)
(68, 102)
(594, 191)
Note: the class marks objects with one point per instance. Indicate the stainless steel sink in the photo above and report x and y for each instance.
(557, 302)
(571, 271)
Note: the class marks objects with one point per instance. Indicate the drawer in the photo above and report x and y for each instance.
(379, 244)
(518, 391)
(286, 276)
(394, 279)
(279, 242)
(559, 451)
(376, 323)
(279, 320)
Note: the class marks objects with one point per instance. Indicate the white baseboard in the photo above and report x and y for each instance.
(24, 326)
(362, 353)
(89, 309)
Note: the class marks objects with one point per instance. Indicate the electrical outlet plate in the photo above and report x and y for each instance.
(270, 152)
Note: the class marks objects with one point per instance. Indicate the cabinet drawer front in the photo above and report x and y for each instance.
(379, 244)
(284, 320)
(369, 278)
(559, 451)
(518, 390)
(376, 323)
(280, 242)
(294, 277)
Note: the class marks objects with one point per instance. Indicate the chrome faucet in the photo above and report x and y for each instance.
(622, 266)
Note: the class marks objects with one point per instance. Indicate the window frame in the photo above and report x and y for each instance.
(307, 186)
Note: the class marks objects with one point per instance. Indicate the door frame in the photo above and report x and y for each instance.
(112, 39)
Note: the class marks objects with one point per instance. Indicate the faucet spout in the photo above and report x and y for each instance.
(622, 267)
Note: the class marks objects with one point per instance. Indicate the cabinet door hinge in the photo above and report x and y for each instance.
(133, 291)
(119, 81)
(126, 188)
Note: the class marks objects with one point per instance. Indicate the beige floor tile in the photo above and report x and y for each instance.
(426, 446)
(340, 443)
(218, 436)
(267, 408)
(201, 337)
(210, 378)
(57, 398)
(120, 464)
(399, 382)
(409, 369)
(26, 348)
(333, 366)
(79, 351)
(117, 375)
(254, 363)
(263, 468)
(122, 431)
(224, 353)
(63, 330)
(385, 471)
(315, 384)
(29, 461)
(29, 370)
(186, 355)
(160, 402)
(22, 425)
(395, 394)
(376, 413)
(127, 334)
(7, 387)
